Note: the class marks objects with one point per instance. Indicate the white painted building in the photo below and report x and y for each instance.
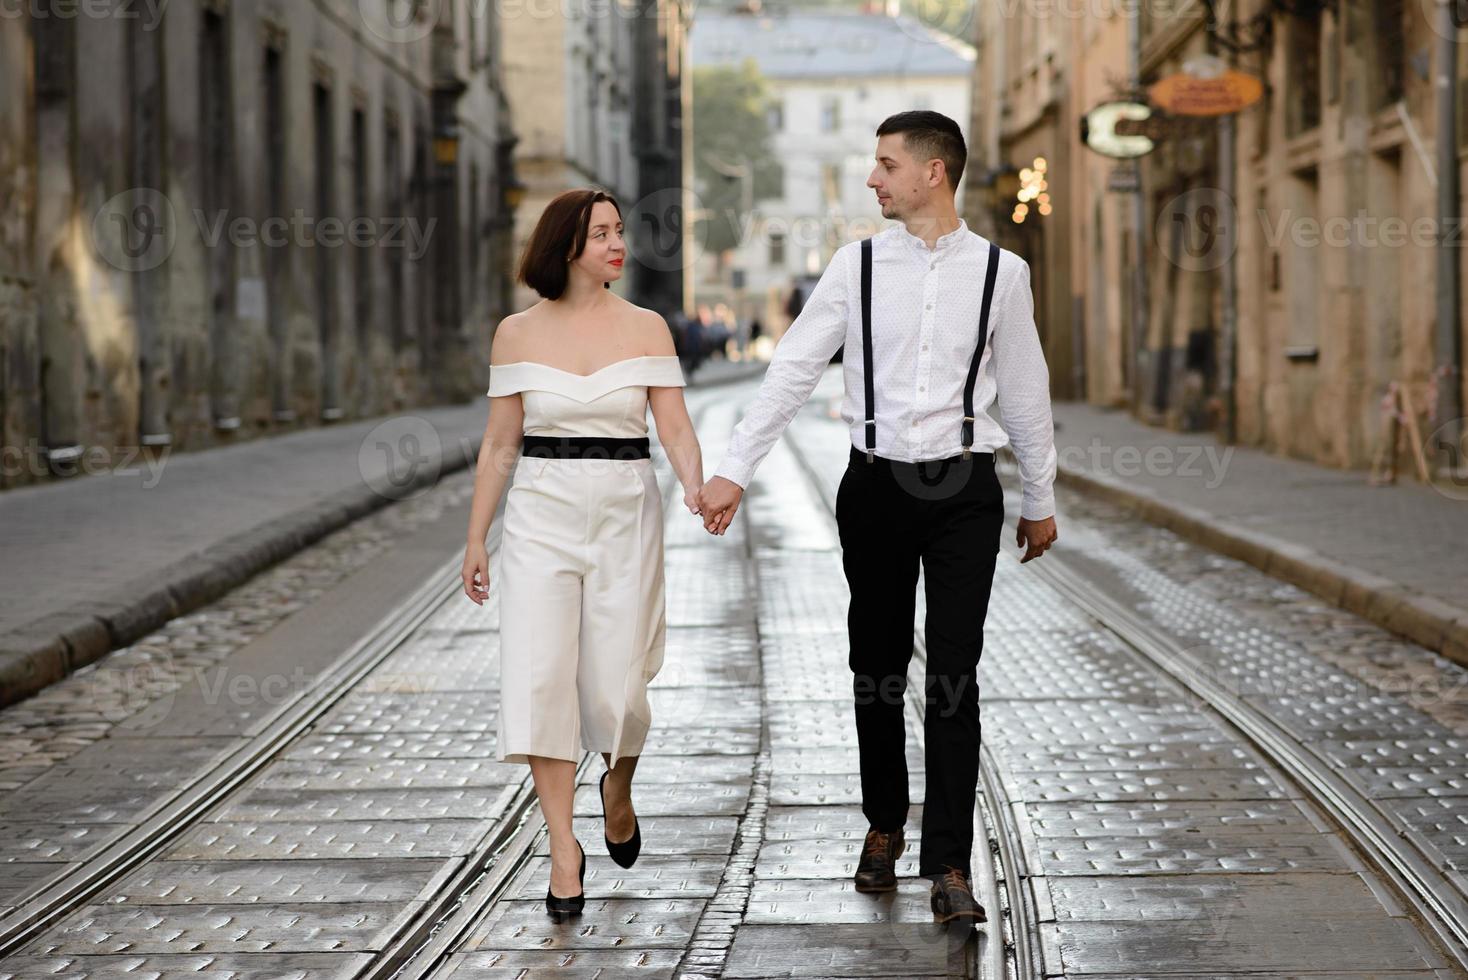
(835, 76)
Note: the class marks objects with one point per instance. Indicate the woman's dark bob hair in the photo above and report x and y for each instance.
(559, 238)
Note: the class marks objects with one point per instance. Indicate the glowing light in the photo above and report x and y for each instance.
(1032, 188)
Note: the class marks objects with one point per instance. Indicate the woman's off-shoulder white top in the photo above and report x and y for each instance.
(610, 401)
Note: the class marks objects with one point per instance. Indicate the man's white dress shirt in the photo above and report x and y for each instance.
(925, 326)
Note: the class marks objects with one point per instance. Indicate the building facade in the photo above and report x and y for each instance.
(242, 217)
(1023, 103)
(833, 77)
(598, 94)
(1275, 284)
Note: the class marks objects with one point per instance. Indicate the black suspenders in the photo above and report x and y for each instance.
(973, 369)
(866, 344)
(990, 274)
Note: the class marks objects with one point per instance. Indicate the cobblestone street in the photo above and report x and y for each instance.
(1191, 769)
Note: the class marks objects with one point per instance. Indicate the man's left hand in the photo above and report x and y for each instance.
(1035, 537)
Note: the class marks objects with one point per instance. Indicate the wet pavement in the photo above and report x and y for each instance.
(1156, 839)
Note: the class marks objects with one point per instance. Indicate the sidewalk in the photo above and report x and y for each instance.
(1394, 555)
(95, 562)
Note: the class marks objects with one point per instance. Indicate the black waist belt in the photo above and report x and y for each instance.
(586, 447)
(857, 456)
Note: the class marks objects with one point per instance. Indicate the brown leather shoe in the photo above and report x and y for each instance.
(953, 898)
(877, 869)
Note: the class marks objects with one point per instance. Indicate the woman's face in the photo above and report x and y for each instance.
(605, 250)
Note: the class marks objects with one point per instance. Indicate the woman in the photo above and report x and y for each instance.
(581, 556)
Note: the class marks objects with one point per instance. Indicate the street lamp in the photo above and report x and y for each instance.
(514, 193)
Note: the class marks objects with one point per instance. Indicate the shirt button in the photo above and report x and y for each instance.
(930, 306)
(925, 346)
(921, 388)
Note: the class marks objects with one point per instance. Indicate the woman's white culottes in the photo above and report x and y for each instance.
(582, 618)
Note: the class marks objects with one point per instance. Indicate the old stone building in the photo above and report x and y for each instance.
(1023, 116)
(598, 92)
(1337, 252)
(833, 75)
(1289, 281)
(225, 219)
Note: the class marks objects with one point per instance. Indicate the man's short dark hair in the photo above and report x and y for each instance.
(559, 238)
(928, 134)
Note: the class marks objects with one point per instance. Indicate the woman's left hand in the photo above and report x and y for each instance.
(690, 499)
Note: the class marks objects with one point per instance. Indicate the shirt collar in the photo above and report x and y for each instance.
(944, 242)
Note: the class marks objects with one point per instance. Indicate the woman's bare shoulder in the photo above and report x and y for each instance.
(651, 329)
(509, 339)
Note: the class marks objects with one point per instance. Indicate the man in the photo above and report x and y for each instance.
(920, 486)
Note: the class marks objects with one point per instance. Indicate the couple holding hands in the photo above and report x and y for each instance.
(937, 324)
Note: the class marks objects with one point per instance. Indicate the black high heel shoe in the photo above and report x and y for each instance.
(625, 853)
(556, 907)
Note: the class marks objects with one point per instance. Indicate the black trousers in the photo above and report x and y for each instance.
(947, 514)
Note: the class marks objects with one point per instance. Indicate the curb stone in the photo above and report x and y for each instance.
(1425, 620)
(49, 649)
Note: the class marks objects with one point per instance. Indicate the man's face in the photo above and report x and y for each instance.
(902, 183)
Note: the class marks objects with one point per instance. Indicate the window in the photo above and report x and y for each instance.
(216, 191)
(214, 122)
(325, 195)
(474, 234)
(831, 114)
(424, 261)
(831, 184)
(1390, 42)
(776, 117)
(361, 300)
(392, 153)
(777, 249)
(1303, 111)
(277, 257)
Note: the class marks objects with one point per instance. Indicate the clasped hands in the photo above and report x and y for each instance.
(716, 502)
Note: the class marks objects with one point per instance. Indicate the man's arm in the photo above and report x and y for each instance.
(800, 357)
(1022, 390)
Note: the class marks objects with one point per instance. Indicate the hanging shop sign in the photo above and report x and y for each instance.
(1104, 129)
(1186, 94)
